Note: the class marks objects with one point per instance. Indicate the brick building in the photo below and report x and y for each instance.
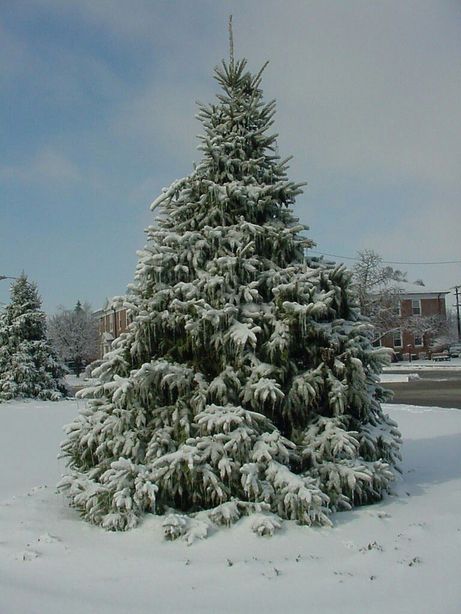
(416, 302)
(112, 320)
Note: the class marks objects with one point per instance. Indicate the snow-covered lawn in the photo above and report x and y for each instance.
(401, 555)
(454, 364)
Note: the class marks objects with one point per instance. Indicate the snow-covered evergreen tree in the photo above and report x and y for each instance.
(246, 381)
(28, 365)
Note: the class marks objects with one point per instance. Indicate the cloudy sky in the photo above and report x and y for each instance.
(97, 105)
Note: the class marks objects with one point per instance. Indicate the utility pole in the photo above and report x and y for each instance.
(457, 305)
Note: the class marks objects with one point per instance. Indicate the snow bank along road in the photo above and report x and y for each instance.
(400, 555)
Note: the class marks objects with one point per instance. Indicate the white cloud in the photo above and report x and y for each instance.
(47, 166)
(140, 21)
(163, 117)
(367, 89)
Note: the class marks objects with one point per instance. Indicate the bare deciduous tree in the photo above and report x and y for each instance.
(74, 335)
(377, 291)
(379, 295)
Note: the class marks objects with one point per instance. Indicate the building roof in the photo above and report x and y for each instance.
(406, 287)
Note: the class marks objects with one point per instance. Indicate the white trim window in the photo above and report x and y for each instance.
(397, 339)
(416, 306)
(418, 340)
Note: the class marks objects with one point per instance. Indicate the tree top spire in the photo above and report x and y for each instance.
(231, 41)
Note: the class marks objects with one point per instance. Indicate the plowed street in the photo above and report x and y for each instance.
(440, 388)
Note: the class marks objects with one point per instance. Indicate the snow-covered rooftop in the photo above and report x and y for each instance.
(406, 287)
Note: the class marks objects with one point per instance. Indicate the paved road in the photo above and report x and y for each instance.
(441, 388)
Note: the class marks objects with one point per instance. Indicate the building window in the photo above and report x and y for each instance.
(419, 340)
(397, 339)
(416, 307)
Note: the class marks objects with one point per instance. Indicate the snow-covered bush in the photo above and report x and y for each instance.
(246, 381)
(28, 365)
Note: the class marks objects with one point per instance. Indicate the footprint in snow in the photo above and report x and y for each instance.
(372, 546)
(380, 514)
(272, 573)
(416, 560)
(47, 538)
(27, 555)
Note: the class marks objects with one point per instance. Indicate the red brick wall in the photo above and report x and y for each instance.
(433, 306)
(428, 307)
(107, 321)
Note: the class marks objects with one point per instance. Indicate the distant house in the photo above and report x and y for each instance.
(421, 312)
(112, 321)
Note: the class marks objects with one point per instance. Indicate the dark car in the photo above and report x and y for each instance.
(455, 350)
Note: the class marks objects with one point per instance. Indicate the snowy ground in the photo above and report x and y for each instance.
(75, 383)
(388, 378)
(408, 371)
(402, 555)
(454, 364)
